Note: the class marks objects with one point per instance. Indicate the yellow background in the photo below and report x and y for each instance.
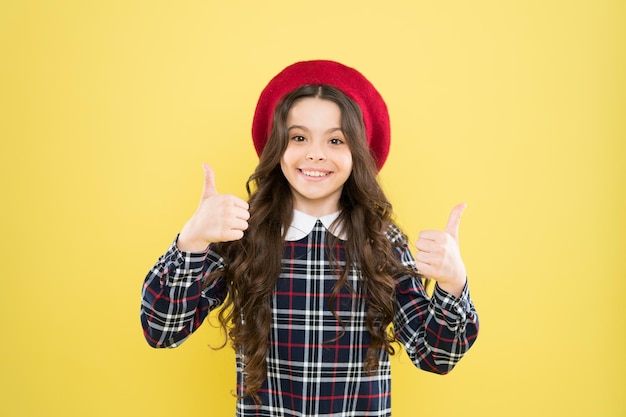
(108, 109)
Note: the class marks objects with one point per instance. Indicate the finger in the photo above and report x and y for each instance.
(236, 221)
(425, 269)
(243, 214)
(238, 205)
(436, 236)
(426, 245)
(454, 220)
(208, 189)
(233, 234)
(241, 204)
(240, 225)
(426, 258)
(236, 218)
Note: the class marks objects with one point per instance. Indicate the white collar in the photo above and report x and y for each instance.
(302, 224)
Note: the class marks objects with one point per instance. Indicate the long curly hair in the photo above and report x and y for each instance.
(254, 262)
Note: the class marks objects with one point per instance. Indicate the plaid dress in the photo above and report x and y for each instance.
(315, 363)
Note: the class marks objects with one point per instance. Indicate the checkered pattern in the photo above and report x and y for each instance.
(315, 366)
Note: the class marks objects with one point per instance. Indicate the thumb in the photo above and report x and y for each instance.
(455, 219)
(208, 189)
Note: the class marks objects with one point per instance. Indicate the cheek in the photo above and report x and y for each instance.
(287, 158)
(347, 162)
(288, 163)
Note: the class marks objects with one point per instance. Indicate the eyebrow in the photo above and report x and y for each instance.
(331, 130)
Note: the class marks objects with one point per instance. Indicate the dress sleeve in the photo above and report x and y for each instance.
(173, 302)
(436, 331)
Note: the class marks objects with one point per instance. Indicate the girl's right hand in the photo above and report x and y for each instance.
(219, 218)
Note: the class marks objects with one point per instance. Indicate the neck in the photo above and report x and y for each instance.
(317, 210)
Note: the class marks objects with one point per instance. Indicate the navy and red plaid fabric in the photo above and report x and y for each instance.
(315, 363)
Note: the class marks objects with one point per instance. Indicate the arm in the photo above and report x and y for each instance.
(173, 303)
(436, 332)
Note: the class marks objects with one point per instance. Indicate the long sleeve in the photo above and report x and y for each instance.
(173, 302)
(436, 332)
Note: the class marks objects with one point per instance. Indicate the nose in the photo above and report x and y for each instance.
(315, 151)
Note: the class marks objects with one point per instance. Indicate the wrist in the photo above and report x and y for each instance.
(454, 288)
(188, 242)
(191, 245)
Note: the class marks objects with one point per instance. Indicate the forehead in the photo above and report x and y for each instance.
(314, 110)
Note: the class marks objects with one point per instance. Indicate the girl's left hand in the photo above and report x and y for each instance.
(439, 257)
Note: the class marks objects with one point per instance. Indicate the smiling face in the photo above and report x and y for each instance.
(317, 161)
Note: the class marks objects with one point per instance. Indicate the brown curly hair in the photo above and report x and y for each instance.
(254, 262)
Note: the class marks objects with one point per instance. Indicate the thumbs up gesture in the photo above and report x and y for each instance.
(439, 257)
(219, 218)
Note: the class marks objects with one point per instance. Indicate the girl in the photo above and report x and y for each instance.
(315, 281)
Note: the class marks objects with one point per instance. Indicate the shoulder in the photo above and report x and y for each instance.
(400, 248)
(395, 235)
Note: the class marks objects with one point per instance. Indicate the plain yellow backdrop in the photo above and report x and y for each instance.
(108, 109)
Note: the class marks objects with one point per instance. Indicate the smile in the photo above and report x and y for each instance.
(315, 173)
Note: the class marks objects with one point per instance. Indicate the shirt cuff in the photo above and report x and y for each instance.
(455, 310)
(182, 265)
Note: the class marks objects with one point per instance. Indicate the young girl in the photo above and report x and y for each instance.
(315, 281)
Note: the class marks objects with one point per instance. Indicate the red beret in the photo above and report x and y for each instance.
(348, 80)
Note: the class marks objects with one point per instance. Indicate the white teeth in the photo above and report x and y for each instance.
(315, 173)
